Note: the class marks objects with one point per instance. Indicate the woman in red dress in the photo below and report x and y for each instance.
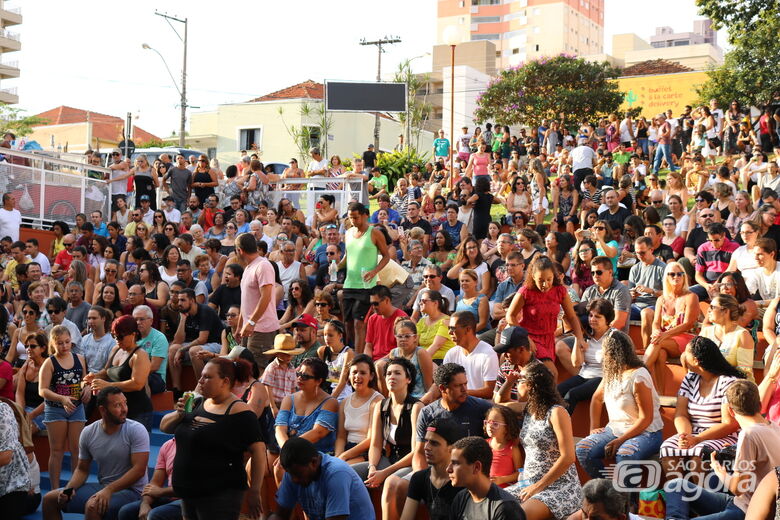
(536, 307)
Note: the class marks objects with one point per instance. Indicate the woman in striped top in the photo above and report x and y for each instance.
(702, 420)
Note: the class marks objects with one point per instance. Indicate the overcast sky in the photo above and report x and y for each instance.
(88, 54)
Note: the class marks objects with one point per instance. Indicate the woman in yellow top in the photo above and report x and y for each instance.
(735, 342)
(432, 331)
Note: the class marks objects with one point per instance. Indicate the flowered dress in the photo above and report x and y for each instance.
(564, 496)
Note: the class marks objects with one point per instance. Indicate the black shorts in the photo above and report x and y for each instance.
(356, 303)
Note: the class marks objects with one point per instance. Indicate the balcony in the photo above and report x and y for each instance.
(11, 17)
(9, 41)
(9, 69)
(9, 96)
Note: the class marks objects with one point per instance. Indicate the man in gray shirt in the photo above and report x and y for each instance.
(178, 182)
(645, 281)
(120, 446)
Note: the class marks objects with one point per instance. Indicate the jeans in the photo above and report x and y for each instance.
(665, 151)
(644, 143)
(78, 503)
(590, 450)
(683, 496)
(576, 389)
(162, 509)
(701, 292)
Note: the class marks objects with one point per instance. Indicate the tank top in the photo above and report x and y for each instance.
(362, 255)
(481, 162)
(356, 419)
(503, 464)
(143, 173)
(31, 396)
(403, 431)
(138, 401)
(66, 381)
(335, 367)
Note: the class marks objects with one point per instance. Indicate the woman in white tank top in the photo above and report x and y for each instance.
(355, 411)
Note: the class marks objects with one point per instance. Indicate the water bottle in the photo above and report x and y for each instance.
(521, 480)
(333, 271)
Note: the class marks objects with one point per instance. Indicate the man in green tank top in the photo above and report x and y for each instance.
(364, 245)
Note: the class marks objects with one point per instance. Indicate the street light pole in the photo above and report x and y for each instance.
(452, 114)
(183, 89)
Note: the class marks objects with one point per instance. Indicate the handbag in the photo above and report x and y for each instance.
(652, 504)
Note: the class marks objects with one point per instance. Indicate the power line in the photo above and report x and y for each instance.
(380, 43)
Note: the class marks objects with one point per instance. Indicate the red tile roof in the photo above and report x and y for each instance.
(644, 68)
(307, 90)
(104, 127)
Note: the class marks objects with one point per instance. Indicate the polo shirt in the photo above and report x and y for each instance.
(481, 364)
(712, 262)
(379, 332)
(156, 345)
(101, 230)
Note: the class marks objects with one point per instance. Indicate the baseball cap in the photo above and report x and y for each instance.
(166, 199)
(306, 320)
(450, 430)
(512, 336)
(144, 197)
(370, 145)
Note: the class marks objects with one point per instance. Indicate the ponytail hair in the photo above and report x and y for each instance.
(238, 371)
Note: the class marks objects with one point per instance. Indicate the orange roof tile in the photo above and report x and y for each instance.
(307, 90)
(104, 127)
(644, 68)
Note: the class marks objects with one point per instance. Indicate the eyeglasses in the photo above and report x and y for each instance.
(430, 276)
(110, 270)
(404, 337)
(331, 253)
(231, 315)
(321, 304)
(597, 272)
(727, 285)
(675, 275)
(599, 228)
(585, 250)
(375, 304)
(53, 311)
(494, 424)
(304, 377)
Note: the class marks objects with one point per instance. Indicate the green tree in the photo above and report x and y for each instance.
(313, 130)
(13, 120)
(561, 87)
(419, 109)
(749, 71)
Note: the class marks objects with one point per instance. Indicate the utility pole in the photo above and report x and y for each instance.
(380, 43)
(183, 91)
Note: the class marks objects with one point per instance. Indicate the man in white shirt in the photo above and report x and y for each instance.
(171, 213)
(318, 166)
(10, 218)
(35, 254)
(764, 281)
(627, 131)
(582, 160)
(477, 357)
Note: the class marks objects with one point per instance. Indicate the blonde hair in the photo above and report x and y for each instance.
(668, 289)
(56, 332)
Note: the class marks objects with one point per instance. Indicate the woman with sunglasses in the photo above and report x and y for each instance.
(145, 180)
(170, 231)
(602, 235)
(129, 371)
(299, 301)
(111, 275)
(27, 380)
(229, 242)
(432, 327)
(552, 489)
(158, 222)
(635, 428)
(157, 291)
(734, 341)
(337, 356)
(204, 179)
(409, 348)
(310, 413)
(676, 313)
(143, 235)
(733, 284)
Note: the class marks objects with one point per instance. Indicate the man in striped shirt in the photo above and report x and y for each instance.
(712, 259)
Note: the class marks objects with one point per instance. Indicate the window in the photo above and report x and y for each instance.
(516, 51)
(461, 4)
(250, 138)
(314, 134)
(485, 19)
(485, 2)
(212, 153)
(484, 36)
(537, 47)
(514, 16)
(498, 54)
(512, 34)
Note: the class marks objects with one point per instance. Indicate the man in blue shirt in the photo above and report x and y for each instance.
(97, 220)
(325, 486)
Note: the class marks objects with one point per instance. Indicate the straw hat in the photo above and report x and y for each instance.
(285, 344)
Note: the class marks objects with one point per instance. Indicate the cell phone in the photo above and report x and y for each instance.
(68, 492)
(587, 233)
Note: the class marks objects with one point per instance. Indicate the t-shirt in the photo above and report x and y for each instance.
(112, 452)
(469, 415)
(63, 259)
(165, 459)
(423, 224)
(156, 345)
(379, 332)
(441, 147)
(258, 274)
(498, 504)
(615, 219)
(379, 182)
(337, 492)
(204, 319)
(96, 351)
(173, 215)
(369, 159)
(758, 452)
(78, 315)
(421, 490)
(43, 260)
(711, 261)
(647, 276)
(180, 179)
(617, 294)
(481, 364)
(224, 296)
(464, 141)
(582, 157)
(10, 222)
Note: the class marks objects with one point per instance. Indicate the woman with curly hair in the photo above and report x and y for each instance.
(581, 277)
(546, 436)
(469, 257)
(299, 301)
(702, 420)
(634, 430)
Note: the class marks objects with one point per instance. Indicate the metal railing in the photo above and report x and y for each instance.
(10, 35)
(305, 198)
(48, 188)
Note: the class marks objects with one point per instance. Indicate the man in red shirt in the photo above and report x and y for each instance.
(64, 258)
(206, 219)
(380, 337)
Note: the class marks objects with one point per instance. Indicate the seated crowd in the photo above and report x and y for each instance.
(431, 352)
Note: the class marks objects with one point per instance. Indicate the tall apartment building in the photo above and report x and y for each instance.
(703, 33)
(9, 42)
(526, 29)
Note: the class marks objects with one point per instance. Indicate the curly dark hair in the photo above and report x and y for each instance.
(619, 355)
(509, 418)
(411, 371)
(443, 375)
(306, 294)
(542, 390)
(707, 353)
(742, 292)
(447, 242)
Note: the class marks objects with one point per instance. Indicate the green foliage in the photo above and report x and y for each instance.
(397, 164)
(749, 71)
(313, 131)
(12, 120)
(419, 110)
(559, 87)
(157, 143)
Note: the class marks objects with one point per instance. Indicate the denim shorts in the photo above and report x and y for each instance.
(38, 420)
(57, 413)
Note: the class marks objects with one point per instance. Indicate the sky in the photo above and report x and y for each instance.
(237, 50)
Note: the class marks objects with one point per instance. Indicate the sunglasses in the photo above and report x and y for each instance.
(29, 313)
(330, 253)
(321, 304)
(375, 304)
(699, 200)
(231, 315)
(597, 272)
(658, 202)
(675, 275)
(430, 276)
(32, 345)
(67, 244)
(599, 228)
(303, 376)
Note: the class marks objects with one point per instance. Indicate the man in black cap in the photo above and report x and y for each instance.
(516, 350)
(147, 213)
(172, 214)
(369, 157)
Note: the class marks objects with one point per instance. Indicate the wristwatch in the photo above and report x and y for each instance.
(252, 323)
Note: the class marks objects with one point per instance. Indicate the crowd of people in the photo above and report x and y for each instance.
(429, 342)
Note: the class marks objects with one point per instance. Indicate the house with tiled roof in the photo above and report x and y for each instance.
(263, 125)
(76, 130)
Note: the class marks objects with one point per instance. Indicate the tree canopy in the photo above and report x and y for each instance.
(562, 86)
(13, 120)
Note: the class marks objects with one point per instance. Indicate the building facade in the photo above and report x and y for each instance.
(10, 42)
(526, 29)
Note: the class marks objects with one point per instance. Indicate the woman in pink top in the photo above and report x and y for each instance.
(478, 162)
